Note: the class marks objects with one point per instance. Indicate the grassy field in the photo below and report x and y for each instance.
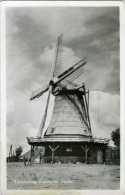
(62, 176)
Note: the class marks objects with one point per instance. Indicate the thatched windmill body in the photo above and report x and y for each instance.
(68, 136)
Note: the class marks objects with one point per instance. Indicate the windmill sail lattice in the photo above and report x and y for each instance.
(58, 56)
(54, 74)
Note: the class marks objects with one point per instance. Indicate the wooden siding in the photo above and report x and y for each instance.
(66, 118)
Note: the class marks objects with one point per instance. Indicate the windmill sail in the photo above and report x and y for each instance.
(58, 53)
(65, 76)
(43, 126)
(43, 122)
(47, 115)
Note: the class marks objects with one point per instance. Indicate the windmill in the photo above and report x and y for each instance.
(68, 133)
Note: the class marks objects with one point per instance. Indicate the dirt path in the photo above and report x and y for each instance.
(62, 176)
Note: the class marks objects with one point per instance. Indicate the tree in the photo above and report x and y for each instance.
(115, 135)
(18, 151)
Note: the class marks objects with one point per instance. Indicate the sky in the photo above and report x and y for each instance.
(31, 35)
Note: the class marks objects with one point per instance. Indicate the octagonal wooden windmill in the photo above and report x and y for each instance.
(67, 136)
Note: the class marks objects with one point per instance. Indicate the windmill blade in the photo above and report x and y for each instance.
(48, 115)
(69, 72)
(75, 74)
(58, 55)
(63, 76)
(71, 68)
(39, 92)
(45, 113)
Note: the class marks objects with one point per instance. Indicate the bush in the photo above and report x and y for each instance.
(18, 152)
(115, 135)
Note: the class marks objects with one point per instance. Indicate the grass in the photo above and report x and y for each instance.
(63, 176)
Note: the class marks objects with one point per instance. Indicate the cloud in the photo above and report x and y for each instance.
(23, 118)
(36, 31)
(66, 58)
(31, 36)
(104, 113)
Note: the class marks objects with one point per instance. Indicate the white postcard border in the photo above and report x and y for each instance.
(3, 168)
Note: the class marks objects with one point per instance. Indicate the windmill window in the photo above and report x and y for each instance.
(68, 149)
(52, 130)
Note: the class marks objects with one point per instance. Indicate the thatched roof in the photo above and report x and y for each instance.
(68, 116)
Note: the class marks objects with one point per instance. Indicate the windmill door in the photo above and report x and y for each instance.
(99, 156)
